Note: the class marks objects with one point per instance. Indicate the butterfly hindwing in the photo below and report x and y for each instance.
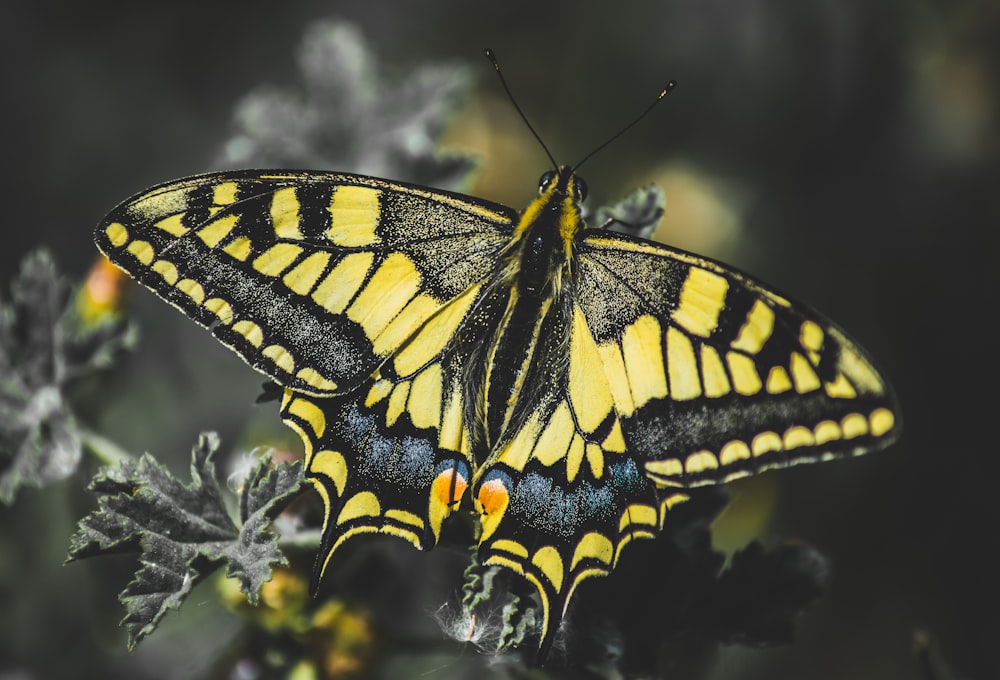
(313, 278)
(373, 475)
(557, 531)
(561, 496)
(396, 456)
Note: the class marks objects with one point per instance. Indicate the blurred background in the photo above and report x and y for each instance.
(844, 151)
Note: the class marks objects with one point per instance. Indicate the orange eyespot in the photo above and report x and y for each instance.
(493, 497)
(449, 487)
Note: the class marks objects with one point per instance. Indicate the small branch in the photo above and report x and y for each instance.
(302, 540)
(106, 451)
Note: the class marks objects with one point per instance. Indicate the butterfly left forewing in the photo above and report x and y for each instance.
(313, 278)
(716, 376)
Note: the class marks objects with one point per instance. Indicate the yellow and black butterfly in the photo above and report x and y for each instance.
(577, 382)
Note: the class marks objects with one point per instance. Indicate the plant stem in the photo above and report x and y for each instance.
(104, 449)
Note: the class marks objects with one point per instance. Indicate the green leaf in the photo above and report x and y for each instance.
(29, 323)
(267, 493)
(183, 531)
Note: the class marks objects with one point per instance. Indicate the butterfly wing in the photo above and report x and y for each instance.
(561, 497)
(680, 372)
(349, 292)
(714, 376)
(313, 278)
(396, 456)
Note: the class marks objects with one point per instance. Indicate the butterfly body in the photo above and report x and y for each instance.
(529, 345)
(574, 382)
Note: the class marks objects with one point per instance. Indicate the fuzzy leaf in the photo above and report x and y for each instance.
(39, 441)
(183, 531)
(268, 492)
(636, 214)
(345, 117)
(43, 346)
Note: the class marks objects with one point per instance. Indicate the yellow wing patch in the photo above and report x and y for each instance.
(356, 214)
(701, 300)
(395, 282)
(642, 349)
(341, 284)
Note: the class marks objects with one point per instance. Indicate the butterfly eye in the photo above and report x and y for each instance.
(545, 180)
(579, 189)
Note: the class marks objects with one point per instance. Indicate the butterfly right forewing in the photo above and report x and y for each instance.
(715, 376)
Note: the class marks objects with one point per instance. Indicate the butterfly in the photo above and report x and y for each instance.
(573, 383)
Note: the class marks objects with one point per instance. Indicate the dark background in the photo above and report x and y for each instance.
(845, 151)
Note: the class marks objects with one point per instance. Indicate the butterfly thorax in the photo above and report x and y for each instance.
(531, 333)
(547, 232)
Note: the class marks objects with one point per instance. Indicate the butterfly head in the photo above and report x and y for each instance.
(557, 208)
(563, 182)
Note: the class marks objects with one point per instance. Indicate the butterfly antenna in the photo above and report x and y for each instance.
(491, 55)
(663, 93)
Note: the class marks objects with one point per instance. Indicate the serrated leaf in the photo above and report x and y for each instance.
(269, 490)
(183, 531)
(39, 441)
(29, 323)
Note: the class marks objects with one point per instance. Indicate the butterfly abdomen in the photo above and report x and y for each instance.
(532, 332)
